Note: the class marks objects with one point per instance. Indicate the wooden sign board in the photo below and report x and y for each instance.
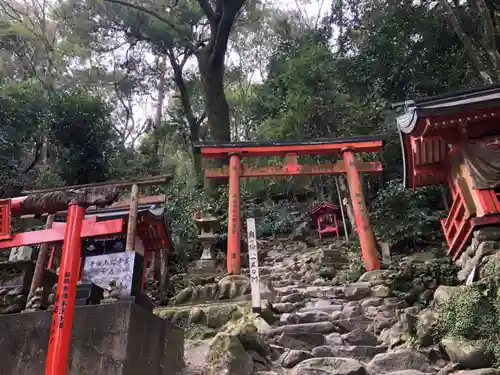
(254, 265)
(20, 253)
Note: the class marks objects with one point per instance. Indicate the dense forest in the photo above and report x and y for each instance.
(104, 89)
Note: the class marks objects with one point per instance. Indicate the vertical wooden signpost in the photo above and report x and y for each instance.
(254, 265)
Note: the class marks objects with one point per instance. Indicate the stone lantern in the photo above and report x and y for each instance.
(208, 225)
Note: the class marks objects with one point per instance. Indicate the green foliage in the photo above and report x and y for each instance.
(76, 125)
(407, 217)
(399, 50)
(180, 210)
(416, 281)
(355, 266)
(469, 314)
(304, 96)
(276, 219)
(82, 133)
(473, 312)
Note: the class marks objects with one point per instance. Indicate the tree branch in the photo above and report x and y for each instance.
(38, 148)
(207, 9)
(229, 10)
(467, 42)
(489, 34)
(185, 41)
(184, 94)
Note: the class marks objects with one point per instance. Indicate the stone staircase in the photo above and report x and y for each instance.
(318, 327)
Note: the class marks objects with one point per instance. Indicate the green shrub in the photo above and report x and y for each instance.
(407, 217)
(473, 312)
(355, 266)
(416, 281)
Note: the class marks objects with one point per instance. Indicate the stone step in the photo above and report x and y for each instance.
(358, 352)
(301, 341)
(327, 309)
(348, 325)
(322, 327)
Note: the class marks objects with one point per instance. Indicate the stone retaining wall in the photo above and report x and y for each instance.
(485, 243)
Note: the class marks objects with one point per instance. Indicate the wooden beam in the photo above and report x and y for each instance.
(299, 149)
(132, 219)
(152, 199)
(56, 234)
(298, 170)
(42, 259)
(147, 181)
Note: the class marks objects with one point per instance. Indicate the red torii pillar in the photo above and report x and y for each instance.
(349, 166)
(234, 222)
(365, 232)
(64, 307)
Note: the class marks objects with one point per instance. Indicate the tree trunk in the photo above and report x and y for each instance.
(155, 159)
(216, 106)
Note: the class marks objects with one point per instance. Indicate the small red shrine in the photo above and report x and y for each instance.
(454, 140)
(326, 218)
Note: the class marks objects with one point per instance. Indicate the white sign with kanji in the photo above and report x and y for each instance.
(254, 264)
(20, 253)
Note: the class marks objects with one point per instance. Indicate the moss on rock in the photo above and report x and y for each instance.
(228, 356)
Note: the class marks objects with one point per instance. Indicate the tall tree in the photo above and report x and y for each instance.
(209, 48)
(481, 42)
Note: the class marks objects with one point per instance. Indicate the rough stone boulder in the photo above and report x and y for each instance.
(357, 291)
(322, 327)
(308, 317)
(443, 293)
(427, 321)
(360, 337)
(479, 371)
(294, 357)
(251, 340)
(399, 360)
(381, 291)
(358, 352)
(329, 366)
(374, 277)
(408, 372)
(466, 353)
(218, 315)
(233, 286)
(301, 341)
(228, 356)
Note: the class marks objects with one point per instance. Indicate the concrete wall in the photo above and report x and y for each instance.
(111, 339)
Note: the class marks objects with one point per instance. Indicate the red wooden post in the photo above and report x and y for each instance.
(51, 258)
(62, 320)
(336, 223)
(318, 222)
(366, 237)
(234, 224)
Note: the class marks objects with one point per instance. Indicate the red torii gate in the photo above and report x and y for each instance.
(347, 147)
(70, 233)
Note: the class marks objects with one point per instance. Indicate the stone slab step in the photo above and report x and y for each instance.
(361, 353)
(322, 327)
(326, 309)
